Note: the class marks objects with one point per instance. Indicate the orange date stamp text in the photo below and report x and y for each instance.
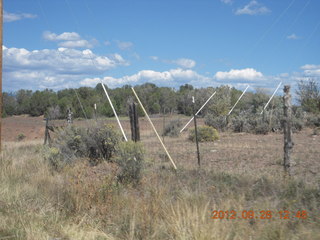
(260, 214)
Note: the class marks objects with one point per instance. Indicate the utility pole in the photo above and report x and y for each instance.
(1, 40)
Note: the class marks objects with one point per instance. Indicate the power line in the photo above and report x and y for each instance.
(84, 113)
(272, 25)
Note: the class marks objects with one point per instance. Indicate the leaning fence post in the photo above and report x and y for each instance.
(287, 130)
(154, 129)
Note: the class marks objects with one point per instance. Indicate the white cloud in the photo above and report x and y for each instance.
(76, 44)
(311, 70)
(252, 8)
(181, 62)
(37, 67)
(249, 74)
(227, 1)
(310, 67)
(292, 37)
(154, 58)
(107, 43)
(173, 77)
(124, 45)
(69, 40)
(61, 60)
(11, 17)
(185, 62)
(66, 36)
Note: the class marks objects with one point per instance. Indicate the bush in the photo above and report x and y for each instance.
(21, 136)
(240, 124)
(173, 128)
(261, 128)
(130, 158)
(313, 120)
(218, 122)
(96, 143)
(316, 131)
(205, 134)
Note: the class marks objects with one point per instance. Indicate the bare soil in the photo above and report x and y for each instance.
(31, 127)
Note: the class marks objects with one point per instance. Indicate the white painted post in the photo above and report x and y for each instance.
(237, 101)
(271, 98)
(198, 112)
(114, 112)
(154, 129)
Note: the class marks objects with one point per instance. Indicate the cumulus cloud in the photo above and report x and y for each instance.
(66, 36)
(124, 45)
(185, 62)
(252, 8)
(40, 66)
(69, 40)
(249, 74)
(76, 44)
(173, 77)
(310, 67)
(292, 37)
(11, 17)
(311, 70)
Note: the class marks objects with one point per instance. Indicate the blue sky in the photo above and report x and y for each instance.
(72, 43)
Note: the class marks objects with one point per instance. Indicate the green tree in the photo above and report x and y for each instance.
(308, 93)
(23, 100)
(40, 101)
(9, 104)
(185, 94)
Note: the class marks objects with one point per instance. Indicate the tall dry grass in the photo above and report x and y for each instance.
(84, 202)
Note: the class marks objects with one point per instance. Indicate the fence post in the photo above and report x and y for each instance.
(163, 123)
(95, 112)
(287, 130)
(196, 130)
(134, 122)
(47, 137)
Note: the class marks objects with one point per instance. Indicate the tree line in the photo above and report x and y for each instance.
(157, 100)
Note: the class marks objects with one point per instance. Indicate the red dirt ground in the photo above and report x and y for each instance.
(31, 127)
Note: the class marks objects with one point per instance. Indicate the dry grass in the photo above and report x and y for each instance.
(240, 172)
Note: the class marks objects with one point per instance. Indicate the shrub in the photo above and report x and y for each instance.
(240, 124)
(173, 128)
(297, 124)
(261, 128)
(316, 131)
(205, 134)
(130, 158)
(96, 143)
(313, 120)
(218, 122)
(21, 136)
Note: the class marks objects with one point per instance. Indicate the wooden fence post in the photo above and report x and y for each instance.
(47, 137)
(287, 130)
(196, 130)
(134, 121)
